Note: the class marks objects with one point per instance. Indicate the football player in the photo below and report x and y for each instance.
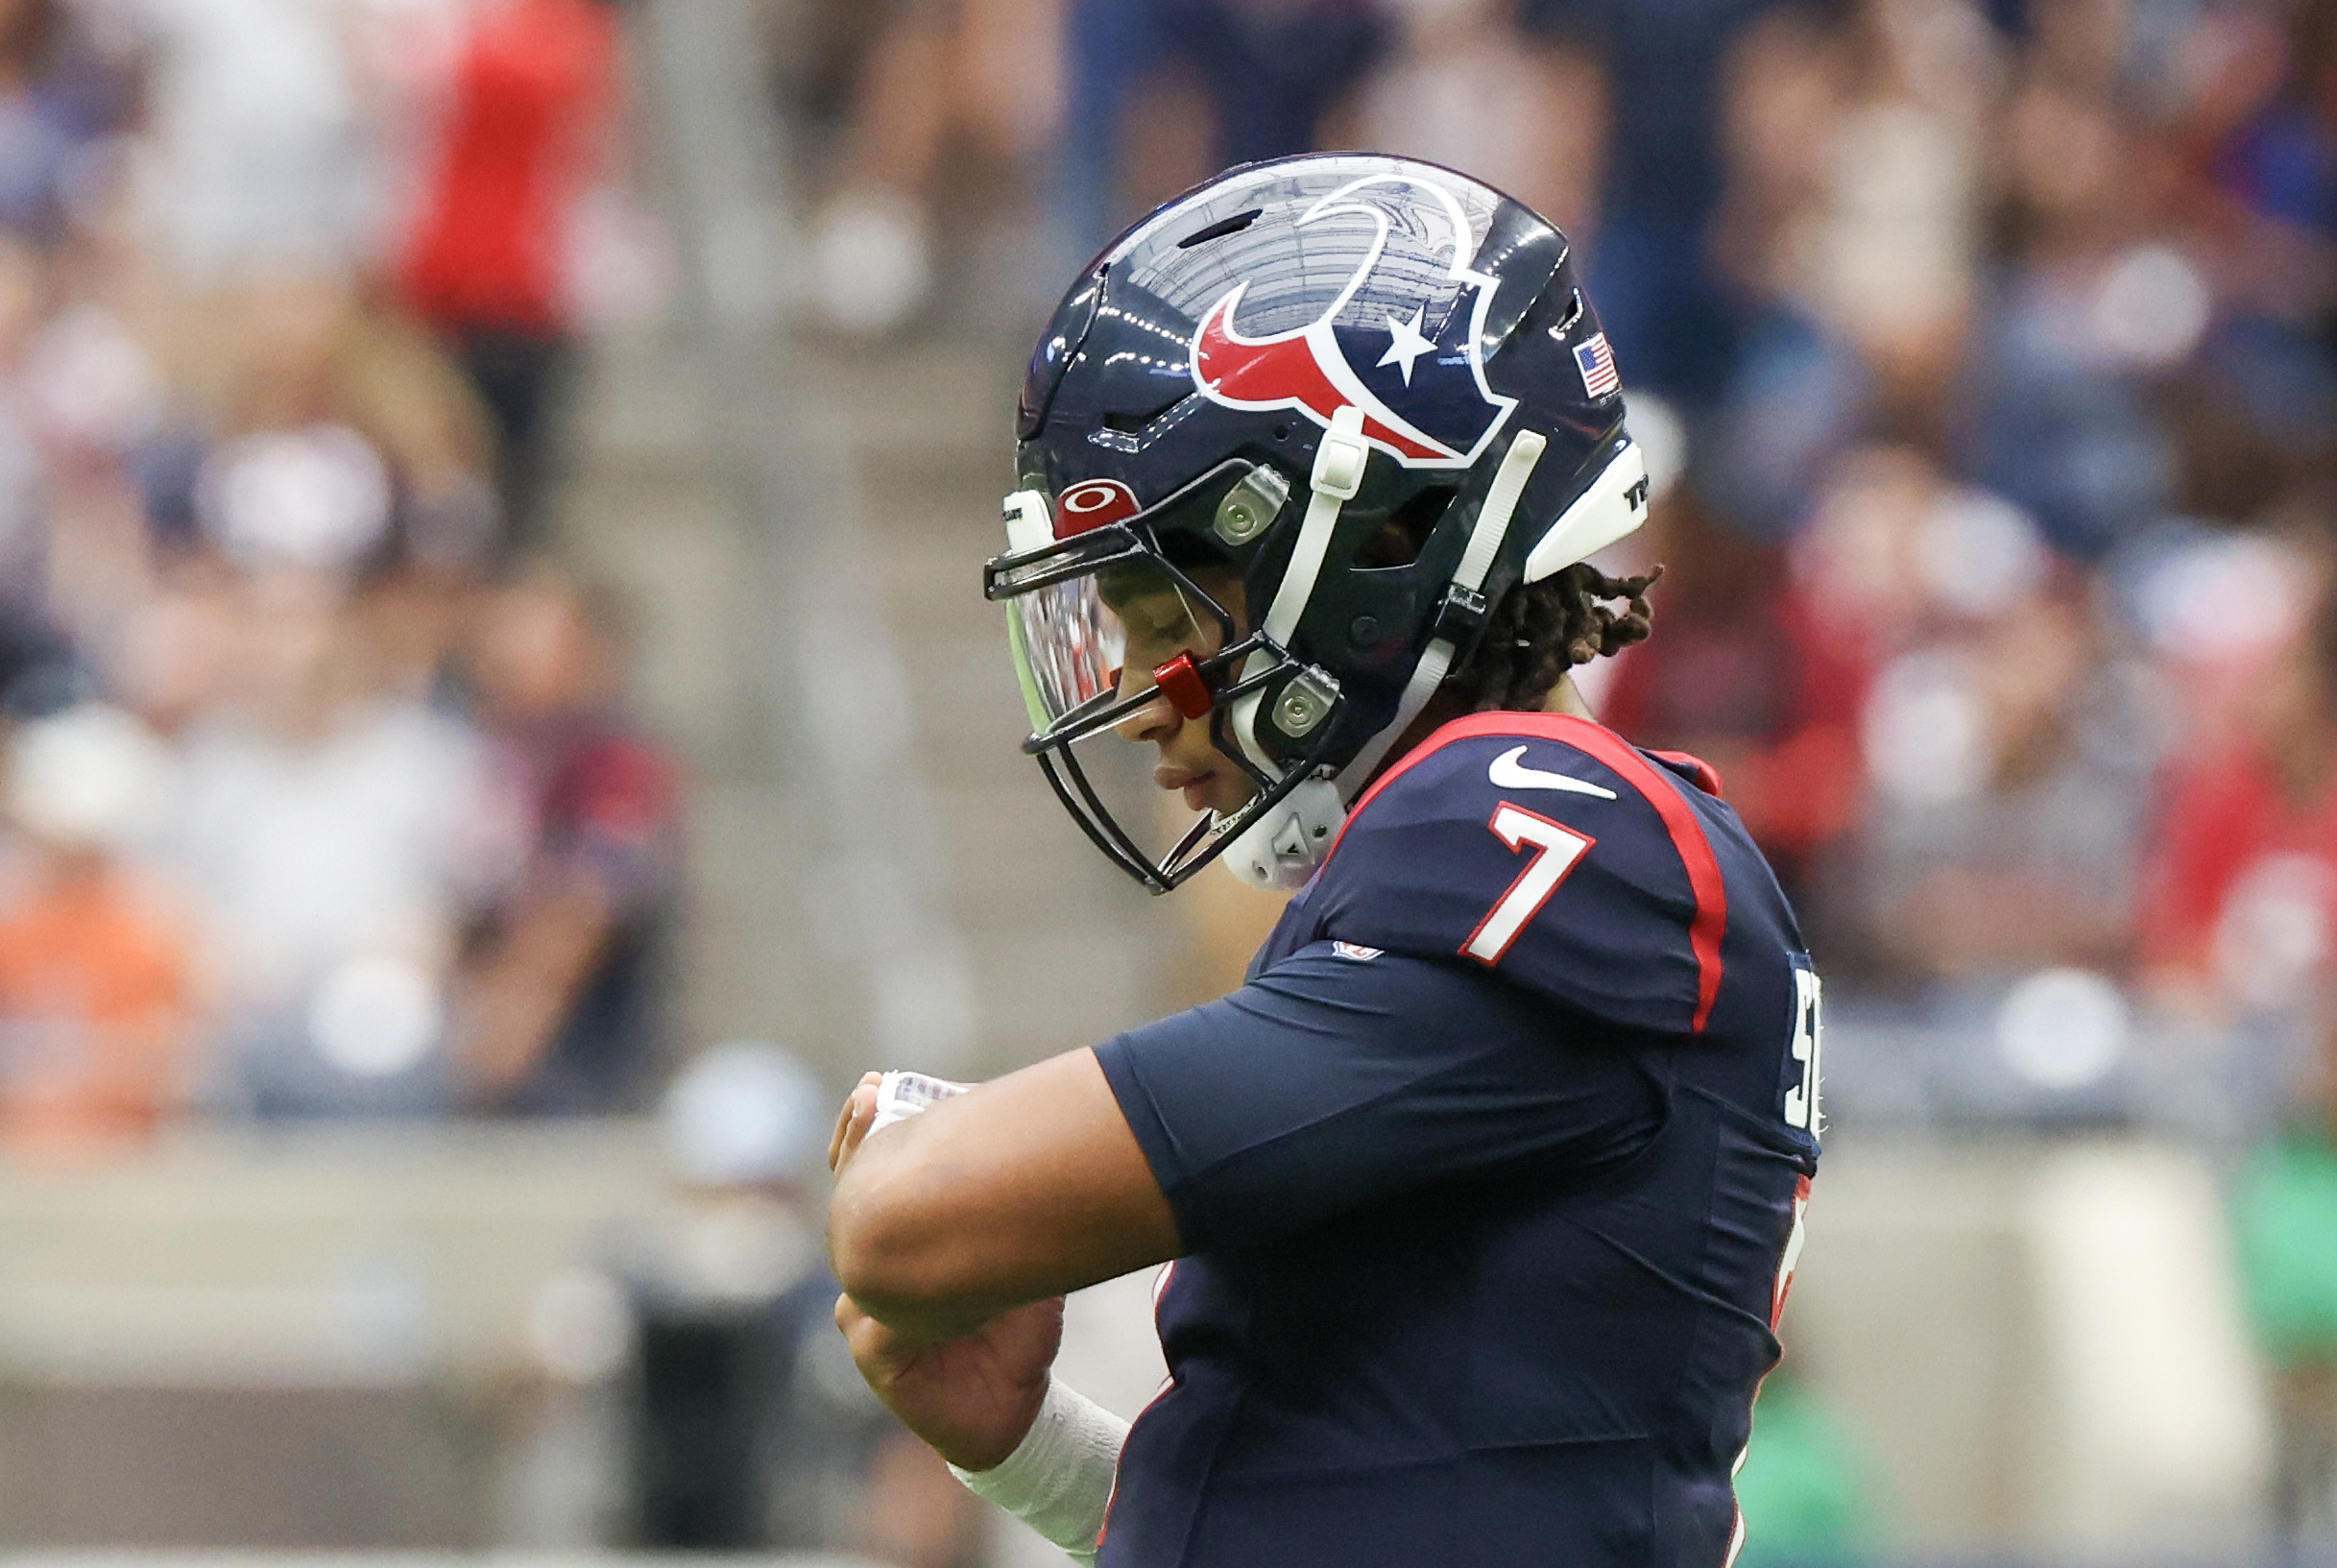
(1483, 1189)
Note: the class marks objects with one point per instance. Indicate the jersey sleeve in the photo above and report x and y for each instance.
(1547, 849)
(1335, 1079)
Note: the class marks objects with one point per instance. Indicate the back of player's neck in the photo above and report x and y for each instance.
(1563, 698)
(1567, 698)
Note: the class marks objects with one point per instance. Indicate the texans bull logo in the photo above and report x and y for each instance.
(1424, 397)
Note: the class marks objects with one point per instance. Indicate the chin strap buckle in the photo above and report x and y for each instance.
(1341, 456)
(1460, 620)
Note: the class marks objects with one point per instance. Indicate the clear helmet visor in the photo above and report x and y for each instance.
(1115, 648)
(1102, 634)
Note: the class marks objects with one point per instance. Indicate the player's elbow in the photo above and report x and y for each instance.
(891, 1243)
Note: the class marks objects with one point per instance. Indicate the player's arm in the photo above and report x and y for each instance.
(1332, 1082)
(988, 1402)
(1030, 1187)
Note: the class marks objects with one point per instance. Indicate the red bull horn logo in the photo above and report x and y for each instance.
(1424, 399)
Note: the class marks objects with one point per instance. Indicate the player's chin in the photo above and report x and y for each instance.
(1224, 792)
(1208, 793)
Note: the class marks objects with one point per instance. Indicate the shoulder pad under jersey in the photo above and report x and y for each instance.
(1546, 848)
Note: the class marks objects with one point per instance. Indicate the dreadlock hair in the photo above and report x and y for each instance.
(1539, 631)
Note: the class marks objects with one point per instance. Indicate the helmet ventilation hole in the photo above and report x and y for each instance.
(1574, 314)
(1220, 228)
(1131, 419)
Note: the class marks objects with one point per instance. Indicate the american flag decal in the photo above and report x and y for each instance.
(1597, 363)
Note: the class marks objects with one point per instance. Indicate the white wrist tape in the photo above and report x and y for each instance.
(901, 1095)
(1058, 1480)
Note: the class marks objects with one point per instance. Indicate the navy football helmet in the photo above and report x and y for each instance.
(1227, 412)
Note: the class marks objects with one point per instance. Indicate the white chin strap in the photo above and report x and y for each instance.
(1338, 474)
(1525, 449)
(1281, 850)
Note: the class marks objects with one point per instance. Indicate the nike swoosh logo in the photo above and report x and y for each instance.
(1508, 773)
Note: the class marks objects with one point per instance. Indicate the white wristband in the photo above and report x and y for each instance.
(1058, 1480)
(901, 1095)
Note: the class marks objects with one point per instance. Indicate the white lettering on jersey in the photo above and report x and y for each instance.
(1556, 849)
(1809, 1047)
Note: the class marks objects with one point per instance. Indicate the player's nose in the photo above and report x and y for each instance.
(1156, 720)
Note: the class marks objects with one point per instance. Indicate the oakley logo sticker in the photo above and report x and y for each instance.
(1094, 503)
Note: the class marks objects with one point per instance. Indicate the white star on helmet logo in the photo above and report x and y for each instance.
(1406, 344)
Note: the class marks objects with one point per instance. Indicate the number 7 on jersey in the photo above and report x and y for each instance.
(1556, 849)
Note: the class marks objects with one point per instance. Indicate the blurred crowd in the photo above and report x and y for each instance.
(321, 794)
(2004, 532)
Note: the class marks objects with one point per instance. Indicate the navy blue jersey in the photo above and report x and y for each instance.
(1487, 1179)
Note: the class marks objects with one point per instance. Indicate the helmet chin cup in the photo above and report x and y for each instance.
(1281, 850)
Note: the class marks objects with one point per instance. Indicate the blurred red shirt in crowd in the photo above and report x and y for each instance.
(2240, 901)
(1751, 677)
(533, 86)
